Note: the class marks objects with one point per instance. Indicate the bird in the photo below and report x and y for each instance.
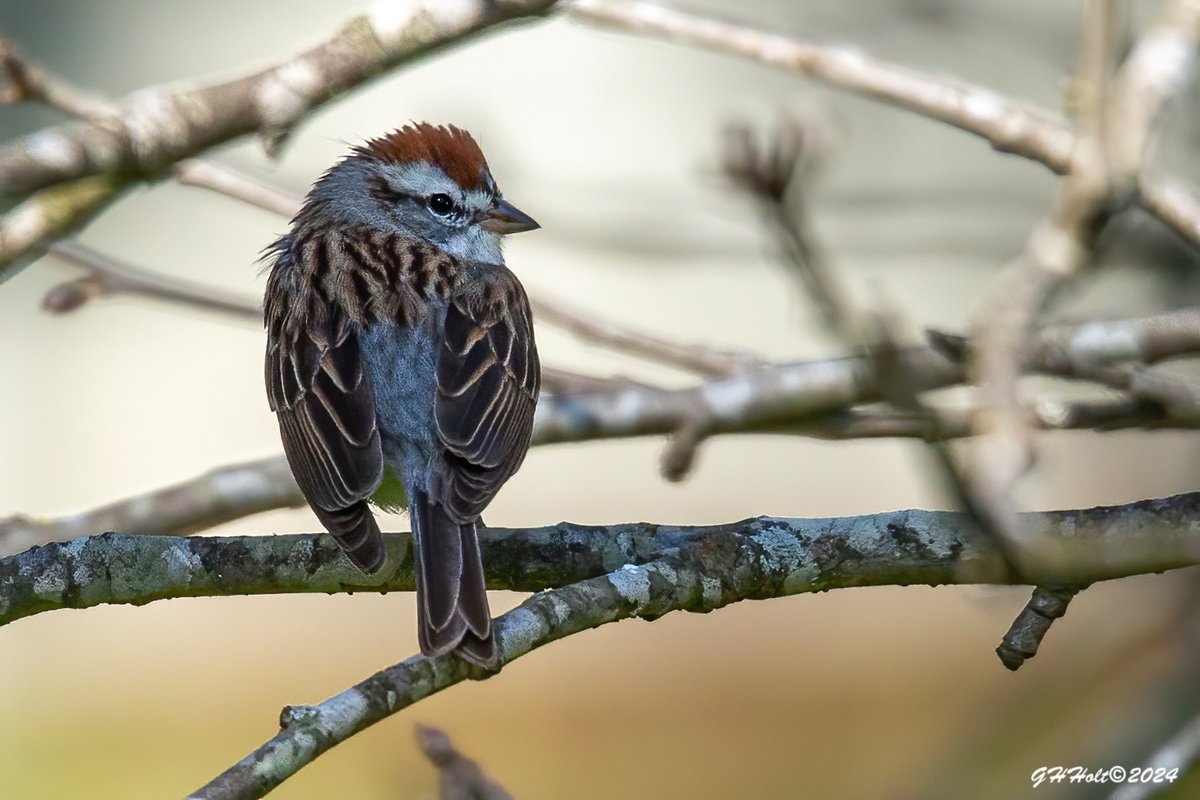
(400, 351)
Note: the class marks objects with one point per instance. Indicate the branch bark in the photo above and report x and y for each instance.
(216, 497)
(160, 125)
(762, 557)
(696, 569)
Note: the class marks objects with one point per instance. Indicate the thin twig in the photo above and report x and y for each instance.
(691, 358)
(108, 277)
(29, 81)
(459, 777)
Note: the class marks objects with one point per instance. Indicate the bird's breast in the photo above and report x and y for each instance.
(400, 362)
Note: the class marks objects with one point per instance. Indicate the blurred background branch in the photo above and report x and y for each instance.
(459, 777)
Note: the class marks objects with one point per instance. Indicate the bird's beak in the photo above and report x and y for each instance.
(504, 218)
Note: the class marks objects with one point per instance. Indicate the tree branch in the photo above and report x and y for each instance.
(824, 399)
(1102, 181)
(160, 125)
(693, 358)
(1009, 126)
(891, 548)
(684, 569)
(46, 216)
(216, 497)
(459, 777)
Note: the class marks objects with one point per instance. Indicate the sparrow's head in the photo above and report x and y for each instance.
(428, 182)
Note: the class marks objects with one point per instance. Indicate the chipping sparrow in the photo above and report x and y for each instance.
(398, 342)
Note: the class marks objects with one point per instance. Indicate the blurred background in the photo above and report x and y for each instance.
(612, 143)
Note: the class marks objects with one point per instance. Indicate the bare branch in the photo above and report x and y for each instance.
(232, 183)
(1022, 640)
(107, 277)
(30, 82)
(161, 125)
(1009, 126)
(1181, 753)
(691, 358)
(216, 497)
(29, 229)
(459, 777)
(1104, 178)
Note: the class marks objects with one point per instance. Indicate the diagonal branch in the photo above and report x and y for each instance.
(1009, 126)
(160, 125)
(46, 216)
(216, 497)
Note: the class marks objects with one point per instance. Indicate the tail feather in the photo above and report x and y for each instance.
(452, 607)
(357, 533)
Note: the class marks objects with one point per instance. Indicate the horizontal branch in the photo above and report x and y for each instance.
(688, 357)
(762, 557)
(826, 399)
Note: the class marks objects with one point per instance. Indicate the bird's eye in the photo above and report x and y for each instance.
(441, 204)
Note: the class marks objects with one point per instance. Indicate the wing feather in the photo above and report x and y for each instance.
(322, 397)
(488, 380)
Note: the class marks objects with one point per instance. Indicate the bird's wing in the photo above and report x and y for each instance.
(487, 385)
(322, 396)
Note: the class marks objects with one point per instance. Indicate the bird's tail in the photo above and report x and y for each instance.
(452, 607)
(356, 531)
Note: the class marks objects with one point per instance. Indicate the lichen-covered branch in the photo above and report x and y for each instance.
(703, 569)
(762, 557)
